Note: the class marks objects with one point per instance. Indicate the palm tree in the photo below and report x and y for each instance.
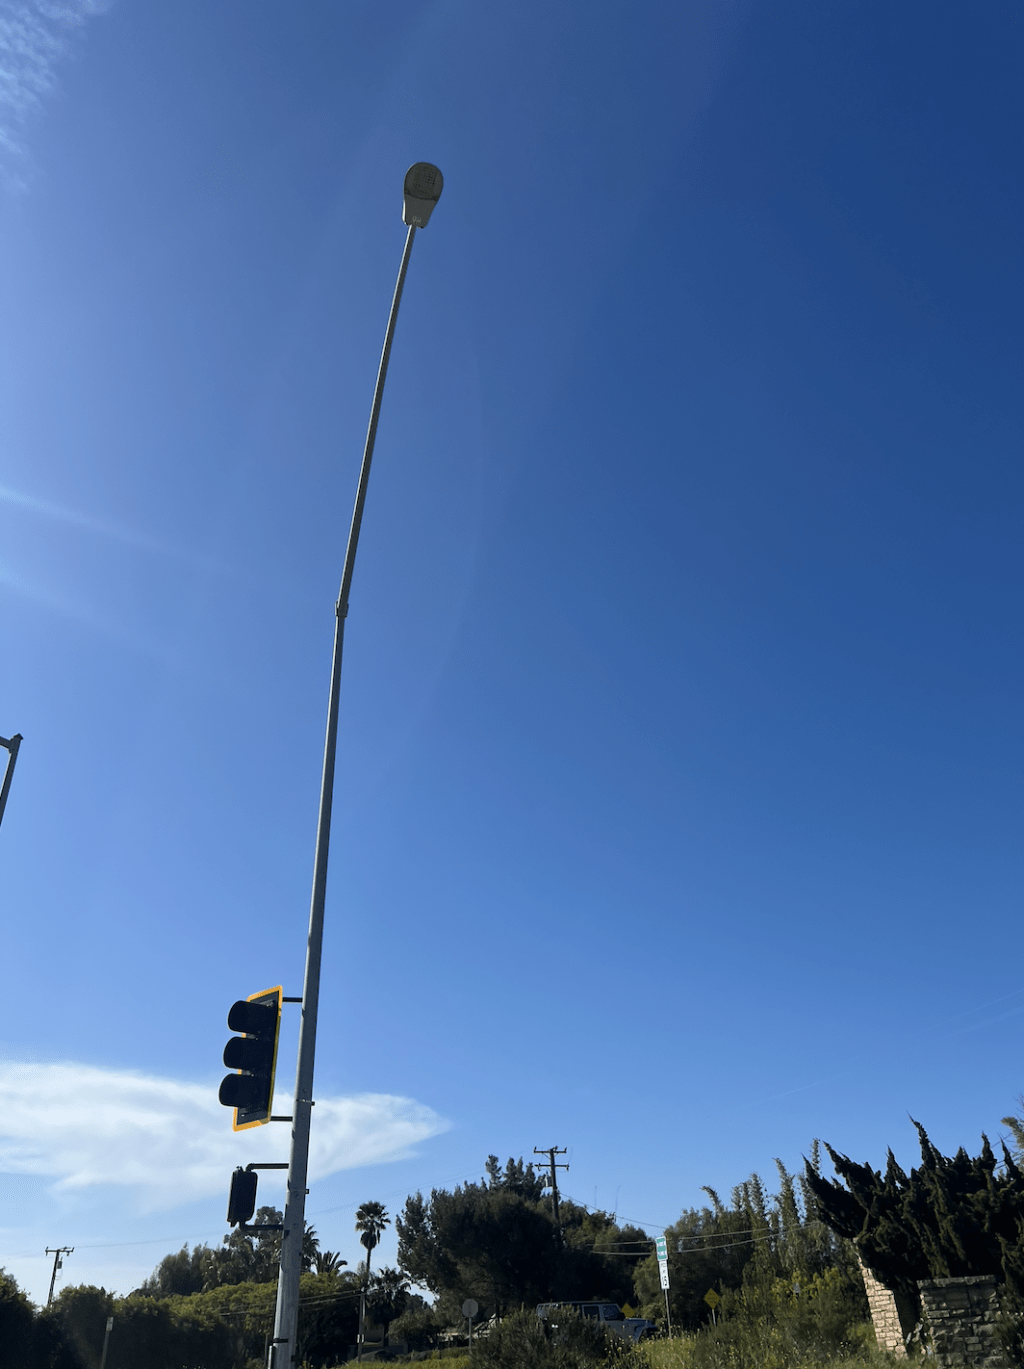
(371, 1219)
(388, 1296)
(328, 1262)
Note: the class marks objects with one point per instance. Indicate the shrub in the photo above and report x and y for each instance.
(524, 1341)
(779, 1324)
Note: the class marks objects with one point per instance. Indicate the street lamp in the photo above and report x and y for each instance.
(421, 192)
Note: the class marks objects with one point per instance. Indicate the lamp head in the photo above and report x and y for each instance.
(422, 190)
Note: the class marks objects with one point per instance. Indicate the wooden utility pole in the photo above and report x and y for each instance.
(551, 1152)
(57, 1262)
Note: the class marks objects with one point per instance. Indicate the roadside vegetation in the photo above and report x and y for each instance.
(761, 1280)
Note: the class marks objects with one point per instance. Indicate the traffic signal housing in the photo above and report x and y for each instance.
(242, 1197)
(250, 1091)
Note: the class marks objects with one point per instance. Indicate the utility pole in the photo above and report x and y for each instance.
(551, 1152)
(12, 744)
(106, 1342)
(57, 1264)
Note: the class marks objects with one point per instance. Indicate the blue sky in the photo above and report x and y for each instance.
(678, 817)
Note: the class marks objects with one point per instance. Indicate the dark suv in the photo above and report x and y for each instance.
(609, 1314)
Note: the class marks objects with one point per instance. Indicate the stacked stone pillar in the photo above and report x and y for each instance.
(892, 1315)
(961, 1316)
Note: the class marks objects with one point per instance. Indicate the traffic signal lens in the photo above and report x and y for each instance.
(245, 1053)
(251, 1016)
(241, 1091)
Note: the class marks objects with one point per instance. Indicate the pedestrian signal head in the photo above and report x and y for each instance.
(242, 1198)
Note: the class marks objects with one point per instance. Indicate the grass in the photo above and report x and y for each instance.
(678, 1354)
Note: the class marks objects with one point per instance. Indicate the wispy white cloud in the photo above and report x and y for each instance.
(101, 527)
(34, 37)
(171, 1141)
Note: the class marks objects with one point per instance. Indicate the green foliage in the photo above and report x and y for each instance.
(760, 1236)
(419, 1325)
(1016, 1125)
(700, 1352)
(17, 1324)
(518, 1178)
(950, 1217)
(74, 1326)
(523, 1341)
(775, 1323)
(387, 1297)
(496, 1241)
(598, 1258)
(371, 1219)
(243, 1257)
(779, 1321)
(223, 1328)
(328, 1262)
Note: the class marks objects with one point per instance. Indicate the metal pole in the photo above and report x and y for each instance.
(106, 1340)
(283, 1347)
(12, 744)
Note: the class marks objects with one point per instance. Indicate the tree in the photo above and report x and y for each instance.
(751, 1244)
(952, 1216)
(1016, 1125)
(481, 1241)
(598, 1258)
(708, 1248)
(420, 1325)
(495, 1241)
(371, 1219)
(17, 1324)
(328, 1262)
(387, 1297)
(186, 1271)
(76, 1322)
(251, 1256)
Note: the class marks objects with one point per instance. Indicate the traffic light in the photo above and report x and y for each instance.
(251, 1091)
(242, 1198)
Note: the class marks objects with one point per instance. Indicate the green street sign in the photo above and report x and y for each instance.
(661, 1245)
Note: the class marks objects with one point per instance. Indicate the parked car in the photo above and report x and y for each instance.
(609, 1314)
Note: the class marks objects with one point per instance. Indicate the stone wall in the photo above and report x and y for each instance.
(961, 1316)
(892, 1315)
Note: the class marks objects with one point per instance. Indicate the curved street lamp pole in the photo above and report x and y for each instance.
(422, 190)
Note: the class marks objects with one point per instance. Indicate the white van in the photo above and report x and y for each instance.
(610, 1315)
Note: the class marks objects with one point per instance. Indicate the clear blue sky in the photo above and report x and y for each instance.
(680, 786)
